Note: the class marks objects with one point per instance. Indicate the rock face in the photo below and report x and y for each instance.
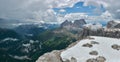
(113, 24)
(66, 23)
(79, 23)
(53, 56)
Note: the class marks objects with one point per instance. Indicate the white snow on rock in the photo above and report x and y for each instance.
(117, 21)
(9, 39)
(26, 45)
(81, 54)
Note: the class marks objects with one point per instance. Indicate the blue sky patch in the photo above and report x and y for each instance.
(79, 8)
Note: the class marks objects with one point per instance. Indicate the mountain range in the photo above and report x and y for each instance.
(25, 43)
(97, 45)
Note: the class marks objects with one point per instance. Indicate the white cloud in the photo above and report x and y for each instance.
(112, 6)
(37, 10)
(96, 3)
(71, 17)
(62, 10)
(74, 16)
(41, 10)
(106, 14)
(104, 17)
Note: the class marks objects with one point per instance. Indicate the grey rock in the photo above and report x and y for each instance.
(53, 56)
(87, 45)
(73, 59)
(93, 53)
(76, 25)
(79, 23)
(116, 47)
(94, 42)
(97, 59)
(91, 60)
(111, 24)
(66, 23)
(101, 59)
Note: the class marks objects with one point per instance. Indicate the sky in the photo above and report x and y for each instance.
(15, 12)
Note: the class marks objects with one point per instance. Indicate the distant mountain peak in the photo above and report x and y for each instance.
(76, 24)
(113, 24)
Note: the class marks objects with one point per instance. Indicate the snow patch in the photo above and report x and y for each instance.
(20, 57)
(26, 45)
(117, 21)
(103, 48)
(11, 39)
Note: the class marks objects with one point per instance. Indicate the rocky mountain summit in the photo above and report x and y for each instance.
(77, 24)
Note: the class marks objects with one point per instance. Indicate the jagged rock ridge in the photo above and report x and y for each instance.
(75, 25)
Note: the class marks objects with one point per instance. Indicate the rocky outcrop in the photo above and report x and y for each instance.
(92, 29)
(53, 56)
(98, 30)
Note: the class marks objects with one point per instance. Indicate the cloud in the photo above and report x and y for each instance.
(71, 17)
(41, 10)
(32, 10)
(112, 6)
(22, 9)
(96, 3)
(104, 17)
(62, 10)
(74, 16)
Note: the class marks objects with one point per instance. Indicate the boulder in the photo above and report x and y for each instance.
(87, 45)
(93, 53)
(97, 59)
(116, 47)
(53, 56)
(94, 42)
